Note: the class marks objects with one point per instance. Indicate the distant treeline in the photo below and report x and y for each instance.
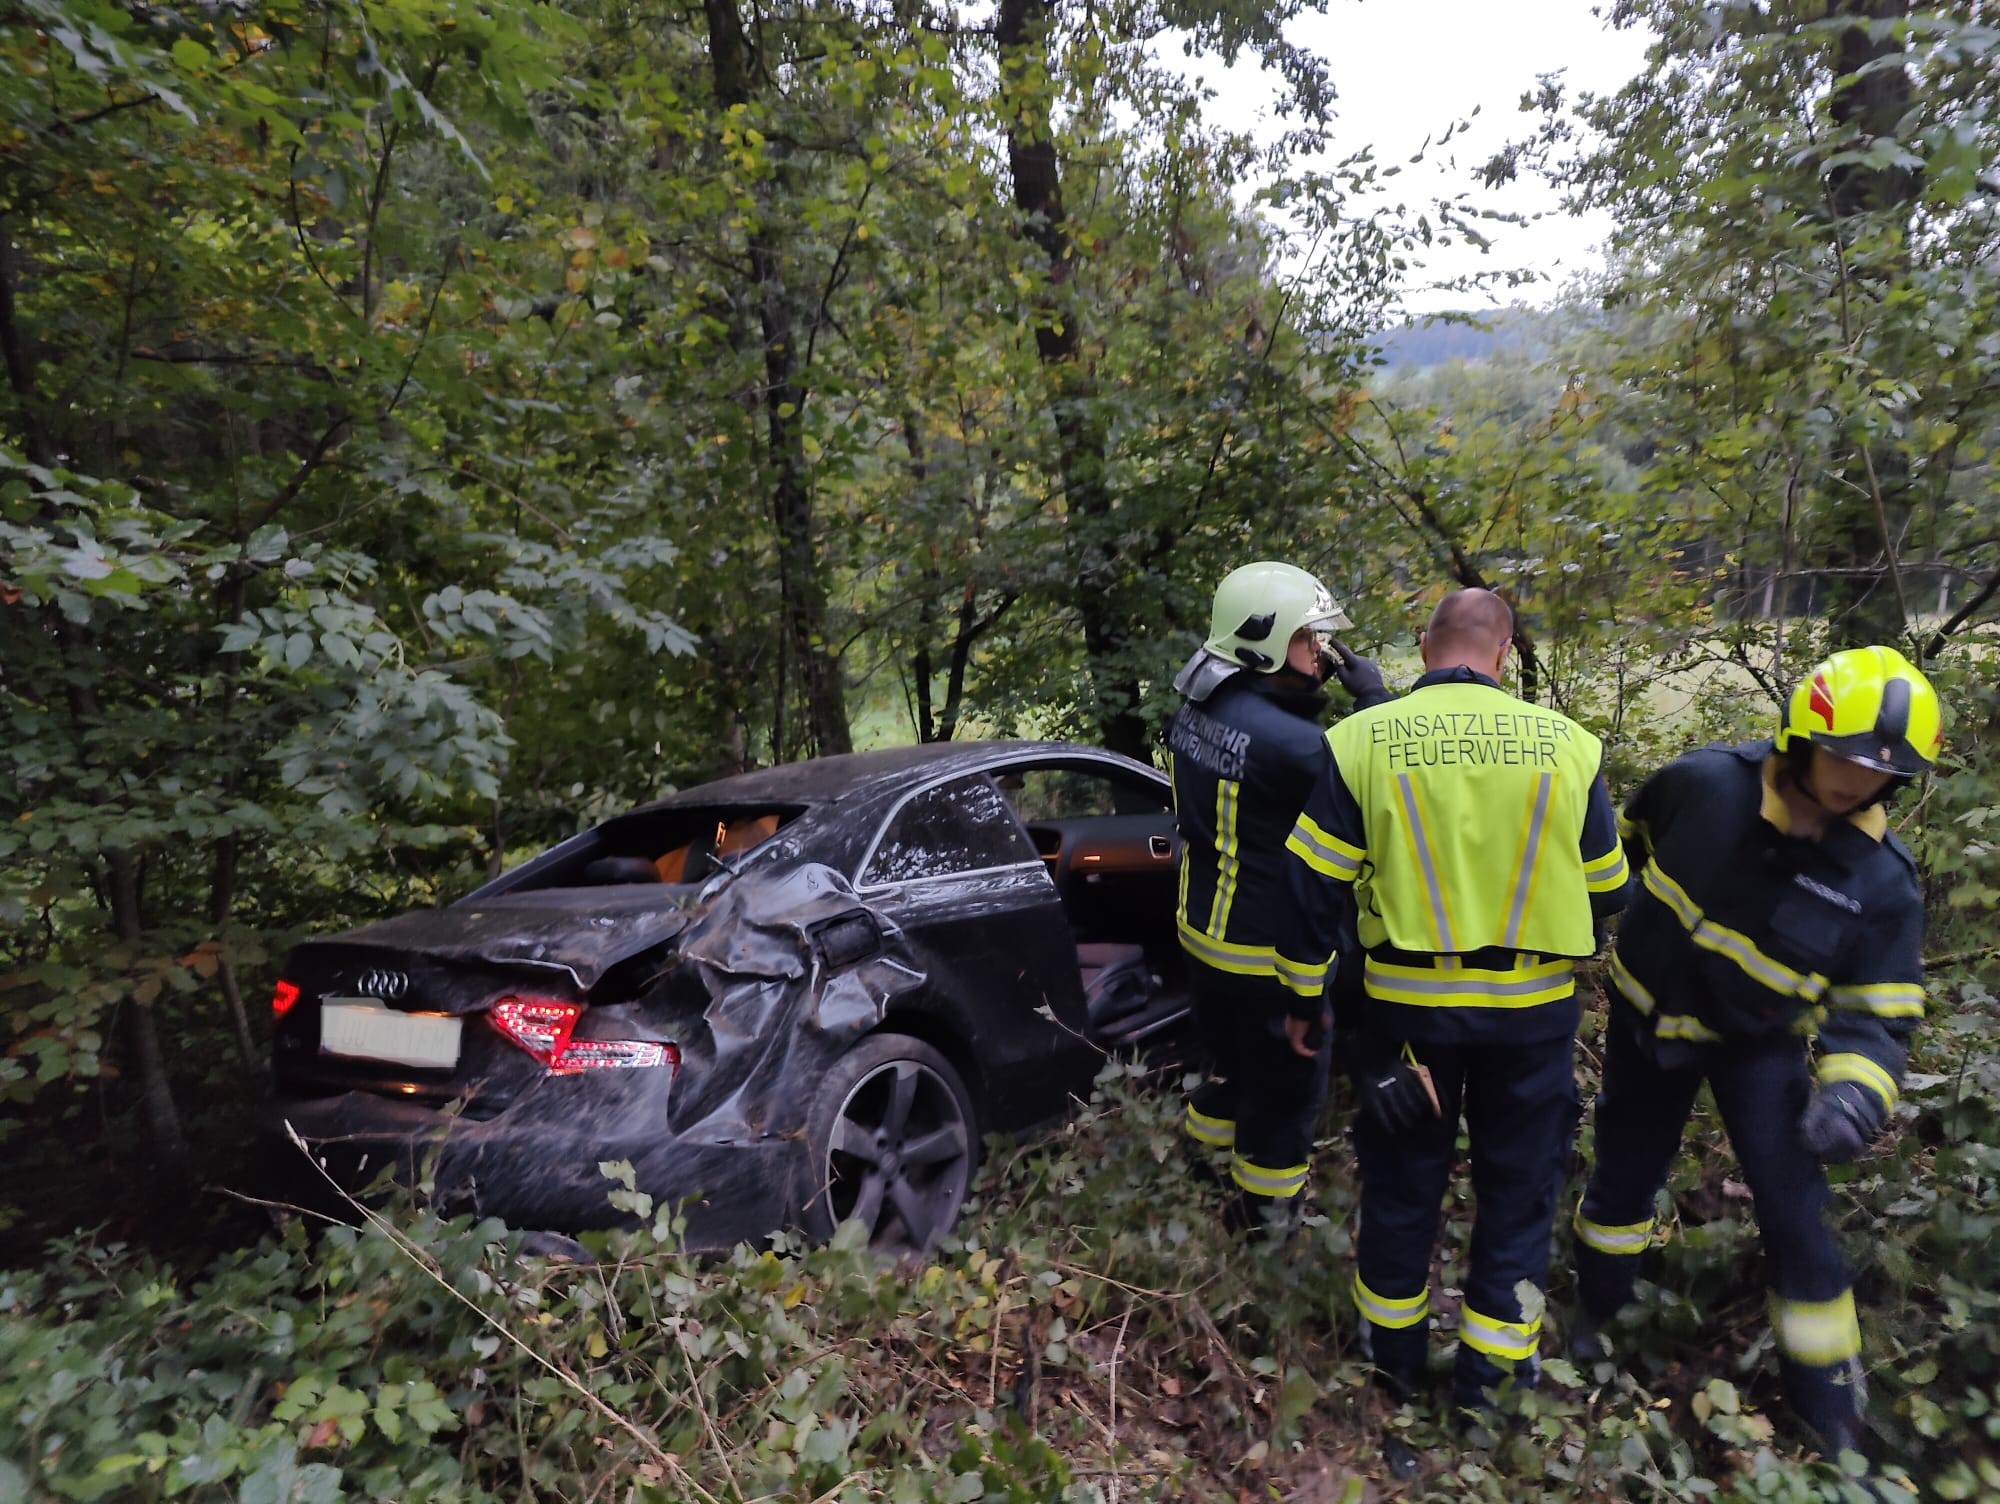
(1438, 339)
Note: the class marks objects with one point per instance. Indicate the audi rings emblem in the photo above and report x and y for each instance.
(387, 985)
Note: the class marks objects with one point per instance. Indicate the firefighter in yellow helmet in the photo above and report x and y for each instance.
(1774, 900)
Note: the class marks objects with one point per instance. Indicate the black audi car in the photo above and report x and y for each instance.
(788, 998)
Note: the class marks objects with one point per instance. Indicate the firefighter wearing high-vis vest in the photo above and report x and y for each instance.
(1775, 904)
(1473, 835)
(1243, 748)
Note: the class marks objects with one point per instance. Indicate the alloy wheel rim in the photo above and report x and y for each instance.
(900, 1156)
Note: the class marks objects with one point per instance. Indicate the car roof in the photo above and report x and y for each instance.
(824, 780)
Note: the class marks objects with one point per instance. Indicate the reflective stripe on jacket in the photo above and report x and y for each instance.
(1742, 929)
(1242, 761)
(1479, 843)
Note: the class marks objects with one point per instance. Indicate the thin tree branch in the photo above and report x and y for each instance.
(1962, 615)
(1888, 543)
(76, 122)
(424, 334)
(835, 274)
(521, 502)
(186, 357)
(668, 1462)
(304, 240)
(391, 134)
(288, 492)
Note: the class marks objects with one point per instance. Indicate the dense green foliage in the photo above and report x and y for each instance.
(1088, 1332)
(428, 425)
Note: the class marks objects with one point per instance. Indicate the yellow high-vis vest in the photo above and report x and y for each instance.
(1474, 805)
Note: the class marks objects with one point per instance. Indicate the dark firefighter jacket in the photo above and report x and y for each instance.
(1474, 835)
(1742, 929)
(1242, 761)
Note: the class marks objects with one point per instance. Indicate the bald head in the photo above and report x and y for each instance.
(1469, 629)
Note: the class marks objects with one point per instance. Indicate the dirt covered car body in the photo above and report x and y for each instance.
(789, 997)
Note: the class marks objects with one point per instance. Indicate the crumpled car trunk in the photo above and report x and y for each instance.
(759, 983)
(580, 933)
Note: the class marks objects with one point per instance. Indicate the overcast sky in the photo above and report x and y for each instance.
(1405, 69)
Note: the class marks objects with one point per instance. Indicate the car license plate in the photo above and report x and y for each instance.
(366, 1030)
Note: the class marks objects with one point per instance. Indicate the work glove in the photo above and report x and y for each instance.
(1840, 1121)
(1394, 1091)
(1357, 675)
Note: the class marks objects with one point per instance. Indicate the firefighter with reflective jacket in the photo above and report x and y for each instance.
(1775, 901)
(1243, 748)
(1474, 834)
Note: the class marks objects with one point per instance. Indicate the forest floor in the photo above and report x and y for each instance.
(1090, 1333)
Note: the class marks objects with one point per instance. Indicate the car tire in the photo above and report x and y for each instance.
(893, 1141)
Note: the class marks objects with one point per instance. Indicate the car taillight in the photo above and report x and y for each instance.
(613, 1054)
(538, 1025)
(282, 998)
(541, 1026)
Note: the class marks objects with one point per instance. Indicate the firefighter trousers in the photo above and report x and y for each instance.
(1262, 1101)
(1520, 1106)
(1760, 1087)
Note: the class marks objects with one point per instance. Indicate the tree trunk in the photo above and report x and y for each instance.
(920, 659)
(221, 898)
(1100, 601)
(19, 361)
(935, 725)
(239, 1016)
(156, 1093)
(920, 674)
(971, 627)
(1871, 209)
(801, 571)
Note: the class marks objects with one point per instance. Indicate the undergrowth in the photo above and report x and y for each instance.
(1092, 1335)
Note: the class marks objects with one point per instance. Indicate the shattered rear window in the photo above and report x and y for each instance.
(688, 844)
(731, 835)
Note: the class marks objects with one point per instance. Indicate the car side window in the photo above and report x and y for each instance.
(962, 826)
(1076, 794)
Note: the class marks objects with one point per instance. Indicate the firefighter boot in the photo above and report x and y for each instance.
(1400, 1383)
(1271, 1220)
(1200, 1163)
(1401, 1458)
(1829, 1398)
(1587, 1343)
(1398, 1355)
(1604, 1282)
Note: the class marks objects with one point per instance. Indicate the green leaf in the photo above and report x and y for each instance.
(86, 564)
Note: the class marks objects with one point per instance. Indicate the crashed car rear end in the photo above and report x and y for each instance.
(701, 990)
(677, 1028)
